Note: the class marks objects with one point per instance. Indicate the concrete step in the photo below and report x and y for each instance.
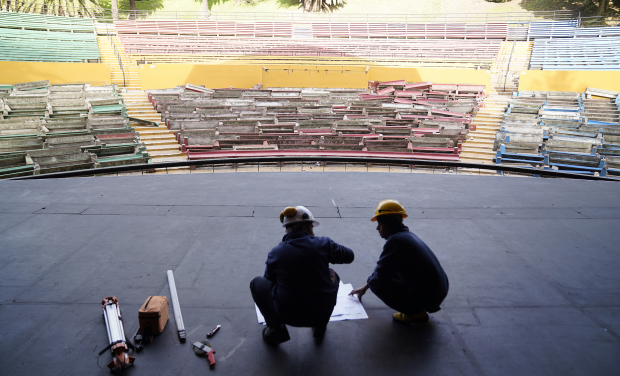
(161, 137)
(476, 159)
(488, 144)
(158, 148)
(487, 128)
(478, 151)
(141, 128)
(481, 136)
(182, 157)
(156, 132)
(146, 111)
(166, 154)
(161, 142)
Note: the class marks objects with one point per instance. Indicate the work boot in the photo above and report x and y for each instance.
(420, 317)
(275, 336)
(318, 332)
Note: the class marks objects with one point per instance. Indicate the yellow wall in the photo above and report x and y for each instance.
(162, 76)
(12, 72)
(569, 80)
(436, 75)
(159, 76)
(328, 76)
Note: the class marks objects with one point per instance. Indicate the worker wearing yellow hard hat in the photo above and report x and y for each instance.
(408, 276)
(299, 288)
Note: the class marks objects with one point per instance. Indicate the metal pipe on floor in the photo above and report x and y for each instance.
(175, 306)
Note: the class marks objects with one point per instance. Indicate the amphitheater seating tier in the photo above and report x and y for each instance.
(49, 128)
(340, 122)
(29, 45)
(576, 54)
(492, 30)
(205, 28)
(564, 131)
(27, 37)
(409, 30)
(179, 49)
(26, 21)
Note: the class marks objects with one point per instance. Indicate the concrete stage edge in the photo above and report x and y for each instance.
(534, 269)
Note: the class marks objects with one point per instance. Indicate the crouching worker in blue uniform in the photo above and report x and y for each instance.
(408, 276)
(299, 288)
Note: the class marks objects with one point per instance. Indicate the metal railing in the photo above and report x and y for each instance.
(294, 17)
(118, 55)
(443, 165)
(599, 21)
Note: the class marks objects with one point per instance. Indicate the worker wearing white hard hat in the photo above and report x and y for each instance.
(298, 287)
(408, 277)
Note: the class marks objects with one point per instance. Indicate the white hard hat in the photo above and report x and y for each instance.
(295, 214)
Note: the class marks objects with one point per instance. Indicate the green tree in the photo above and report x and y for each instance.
(55, 7)
(321, 5)
(204, 9)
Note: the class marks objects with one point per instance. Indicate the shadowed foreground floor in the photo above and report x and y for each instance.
(534, 268)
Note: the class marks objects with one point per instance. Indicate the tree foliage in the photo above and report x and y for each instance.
(321, 5)
(54, 7)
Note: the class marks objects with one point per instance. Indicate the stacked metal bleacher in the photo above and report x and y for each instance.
(50, 128)
(35, 37)
(392, 120)
(566, 131)
(562, 45)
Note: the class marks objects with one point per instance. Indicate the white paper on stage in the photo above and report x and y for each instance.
(347, 307)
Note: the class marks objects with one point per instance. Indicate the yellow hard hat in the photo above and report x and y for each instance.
(389, 207)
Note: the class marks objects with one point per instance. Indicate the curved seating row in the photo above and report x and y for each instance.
(492, 30)
(27, 21)
(394, 120)
(564, 131)
(31, 45)
(205, 28)
(48, 128)
(568, 29)
(440, 51)
(26, 37)
(576, 54)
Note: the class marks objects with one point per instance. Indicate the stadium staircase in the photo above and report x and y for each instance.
(160, 142)
(131, 80)
(506, 68)
(479, 145)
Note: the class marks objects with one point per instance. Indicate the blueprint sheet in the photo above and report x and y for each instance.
(347, 307)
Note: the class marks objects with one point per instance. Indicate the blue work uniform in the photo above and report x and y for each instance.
(408, 277)
(304, 289)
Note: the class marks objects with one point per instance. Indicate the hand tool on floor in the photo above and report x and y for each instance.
(211, 333)
(204, 348)
(116, 335)
(176, 308)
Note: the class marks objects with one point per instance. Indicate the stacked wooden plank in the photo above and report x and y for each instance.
(48, 128)
(561, 130)
(393, 120)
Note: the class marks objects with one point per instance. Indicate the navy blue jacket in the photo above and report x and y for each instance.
(302, 290)
(405, 257)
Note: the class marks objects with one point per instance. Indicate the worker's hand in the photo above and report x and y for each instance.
(359, 291)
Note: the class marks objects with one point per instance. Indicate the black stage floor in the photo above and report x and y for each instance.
(534, 268)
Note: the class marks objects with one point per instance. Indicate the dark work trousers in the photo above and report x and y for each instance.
(261, 293)
(395, 294)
